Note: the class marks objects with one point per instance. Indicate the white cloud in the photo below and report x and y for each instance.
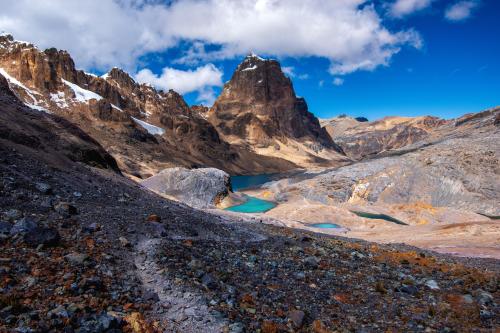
(290, 72)
(201, 79)
(461, 10)
(321, 83)
(338, 81)
(402, 8)
(105, 33)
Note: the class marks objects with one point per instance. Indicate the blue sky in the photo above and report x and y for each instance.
(367, 58)
(456, 72)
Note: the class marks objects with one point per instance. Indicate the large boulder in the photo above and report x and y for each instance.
(200, 188)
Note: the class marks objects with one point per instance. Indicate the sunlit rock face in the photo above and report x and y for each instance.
(145, 129)
(360, 139)
(258, 106)
(200, 188)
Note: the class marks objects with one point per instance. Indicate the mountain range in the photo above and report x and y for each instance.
(257, 125)
(108, 219)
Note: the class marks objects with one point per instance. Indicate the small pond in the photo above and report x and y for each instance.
(252, 205)
(324, 225)
(378, 217)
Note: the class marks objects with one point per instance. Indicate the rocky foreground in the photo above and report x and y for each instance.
(86, 250)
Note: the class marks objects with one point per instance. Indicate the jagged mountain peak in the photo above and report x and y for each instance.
(7, 39)
(259, 106)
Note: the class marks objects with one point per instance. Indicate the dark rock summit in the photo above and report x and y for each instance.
(258, 106)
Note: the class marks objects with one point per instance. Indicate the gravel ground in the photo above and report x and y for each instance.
(85, 250)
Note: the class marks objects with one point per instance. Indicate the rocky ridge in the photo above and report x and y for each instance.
(444, 187)
(258, 108)
(144, 129)
(360, 139)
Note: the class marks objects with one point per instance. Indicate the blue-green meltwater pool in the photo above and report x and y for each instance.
(253, 205)
(324, 225)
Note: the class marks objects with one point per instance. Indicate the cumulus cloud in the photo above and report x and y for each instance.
(402, 8)
(290, 72)
(338, 81)
(104, 33)
(201, 80)
(461, 10)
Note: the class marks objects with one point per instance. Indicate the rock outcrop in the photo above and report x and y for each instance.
(258, 108)
(146, 130)
(200, 188)
(48, 135)
(445, 187)
(360, 139)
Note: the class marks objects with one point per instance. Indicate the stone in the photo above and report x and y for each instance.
(23, 225)
(124, 242)
(236, 328)
(153, 218)
(12, 214)
(65, 209)
(411, 290)
(297, 318)
(150, 295)
(42, 236)
(311, 262)
(5, 227)
(59, 311)
(76, 258)
(43, 188)
(200, 188)
(91, 227)
(432, 284)
(208, 281)
(484, 298)
(269, 327)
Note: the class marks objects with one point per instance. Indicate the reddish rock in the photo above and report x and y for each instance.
(258, 105)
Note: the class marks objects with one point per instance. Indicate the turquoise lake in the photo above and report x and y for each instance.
(324, 225)
(253, 205)
(246, 182)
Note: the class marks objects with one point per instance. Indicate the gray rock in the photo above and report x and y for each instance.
(484, 297)
(12, 214)
(76, 258)
(208, 281)
(431, 284)
(43, 188)
(200, 188)
(42, 236)
(296, 317)
(150, 295)
(236, 328)
(5, 227)
(23, 226)
(311, 262)
(65, 209)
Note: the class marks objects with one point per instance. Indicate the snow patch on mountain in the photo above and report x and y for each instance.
(82, 95)
(37, 107)
(249, 68)
(152, 129)
(60, 99)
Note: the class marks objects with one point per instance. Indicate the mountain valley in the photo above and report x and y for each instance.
(117, 209)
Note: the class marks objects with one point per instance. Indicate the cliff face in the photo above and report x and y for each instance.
(363, 139)
(144, 129)
(258, 106)
(51, 137)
